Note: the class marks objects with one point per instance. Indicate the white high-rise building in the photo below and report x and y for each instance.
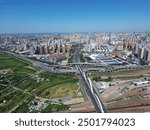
(141, 52)
(136, 48)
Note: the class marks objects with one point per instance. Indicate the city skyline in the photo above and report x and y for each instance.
(50, 16)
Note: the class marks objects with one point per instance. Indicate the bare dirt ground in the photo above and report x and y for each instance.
(123, 98)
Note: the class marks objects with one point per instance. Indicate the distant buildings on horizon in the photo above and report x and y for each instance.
(57, 47)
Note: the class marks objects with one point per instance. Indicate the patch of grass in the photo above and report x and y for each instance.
(14, 64)
(7, 91)
(27, 84)
(55, 108)
(82, 58)
(53, 79)
(24, 107)
(66, 89)
(11, 100)
(109, 79)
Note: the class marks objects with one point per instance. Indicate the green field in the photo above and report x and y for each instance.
(19, 81)
(16, 65)
(62, 90)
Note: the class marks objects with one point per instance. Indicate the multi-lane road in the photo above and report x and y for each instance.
(76, 58)
(91, 90)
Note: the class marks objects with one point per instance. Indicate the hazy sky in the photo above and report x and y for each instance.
(39, 16)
